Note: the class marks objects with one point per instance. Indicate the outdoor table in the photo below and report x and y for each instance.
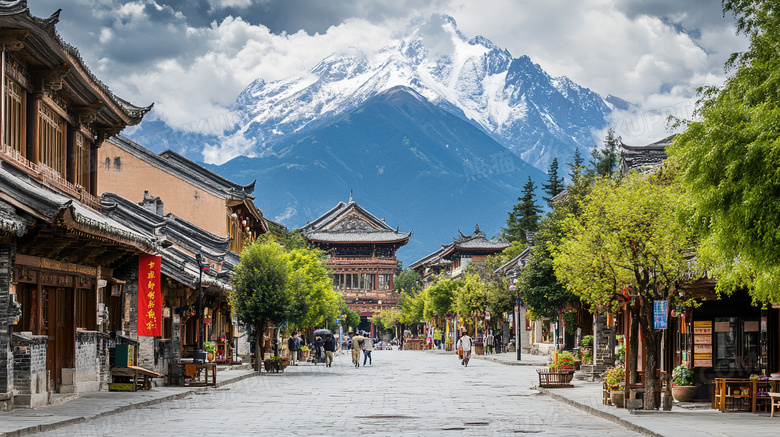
(195, 368)
(726, 388)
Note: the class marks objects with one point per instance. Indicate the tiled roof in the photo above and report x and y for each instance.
(17, 14)
(643, 158)
(351, 223)
(38, 201)
(177, 261)
(473, 242)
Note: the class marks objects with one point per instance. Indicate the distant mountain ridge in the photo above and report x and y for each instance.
(432, 178)
(536, 116)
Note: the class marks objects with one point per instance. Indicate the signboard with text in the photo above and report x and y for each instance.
(660, 310)
(149, 296)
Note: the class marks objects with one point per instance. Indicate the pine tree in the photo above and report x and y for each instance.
(605, 160)
(577, 165)
(554, 184)
(524, 216)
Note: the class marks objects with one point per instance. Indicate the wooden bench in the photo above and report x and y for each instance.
(549, 379)
(132, 373)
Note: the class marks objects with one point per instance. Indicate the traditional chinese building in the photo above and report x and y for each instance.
(453, 258)
(60, 256)
(362, 249)
(192, 192)
(181, 275)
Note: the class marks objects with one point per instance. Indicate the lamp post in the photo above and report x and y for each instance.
(200, 353)
(518, 340)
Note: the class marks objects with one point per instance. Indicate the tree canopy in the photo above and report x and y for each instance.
(626, 242)
(524, 216)
(554, 185)
(260, 288)
(730, 161)
(606, 159)
(408, 281)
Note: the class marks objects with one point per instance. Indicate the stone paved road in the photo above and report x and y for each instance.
(404, 393)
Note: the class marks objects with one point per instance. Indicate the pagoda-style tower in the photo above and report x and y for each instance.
(362, 249)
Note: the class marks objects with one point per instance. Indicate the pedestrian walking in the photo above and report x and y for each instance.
(330, 346)
(368, 347)
(489, 343)
(497, 344)
(292, 345)
(317, 349)
(465, 343)
(357, 341)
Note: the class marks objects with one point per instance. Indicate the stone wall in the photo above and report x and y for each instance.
(30, 376)
(603, 342)
(6, 319)
(88, 361)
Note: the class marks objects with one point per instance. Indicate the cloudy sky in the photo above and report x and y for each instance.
(193, 57)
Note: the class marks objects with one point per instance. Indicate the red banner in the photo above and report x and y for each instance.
(149, 296)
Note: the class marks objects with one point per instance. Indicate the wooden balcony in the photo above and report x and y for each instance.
(369, 262)
(49, 177)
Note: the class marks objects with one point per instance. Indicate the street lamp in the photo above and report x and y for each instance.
(200, 354)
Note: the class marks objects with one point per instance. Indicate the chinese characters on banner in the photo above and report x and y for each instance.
(660, 311)
(149, 296)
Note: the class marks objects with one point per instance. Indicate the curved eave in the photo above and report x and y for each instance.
(403, 241)
(74, 220)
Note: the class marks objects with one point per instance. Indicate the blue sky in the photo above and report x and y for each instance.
(193, 57)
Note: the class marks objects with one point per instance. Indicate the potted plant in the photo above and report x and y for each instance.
(210, 349)
(283, 363)
(587, 341)
(565, 361)
(587, 356)
(683, 389)
(613, 377)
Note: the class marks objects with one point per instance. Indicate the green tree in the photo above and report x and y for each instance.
(471, 298)
(313, 299)
(439, 297)
(260, 289)
(605, 160)
(524, 216)
(577, 164)
(730, 160)
(627, 237)
(388, 319)
(351, 319)
(554, 185)
(408, 281)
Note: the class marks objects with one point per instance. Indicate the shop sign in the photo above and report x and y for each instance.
(660, 311)
(149, 296)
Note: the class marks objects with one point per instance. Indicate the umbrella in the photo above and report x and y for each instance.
(323, 332)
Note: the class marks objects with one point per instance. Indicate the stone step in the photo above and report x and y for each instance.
(58, 398)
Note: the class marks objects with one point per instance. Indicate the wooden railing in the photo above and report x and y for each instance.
(50, 177)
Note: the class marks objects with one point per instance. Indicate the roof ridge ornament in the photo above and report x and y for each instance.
(350, 196)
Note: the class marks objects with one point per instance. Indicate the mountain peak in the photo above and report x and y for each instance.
(512, 99)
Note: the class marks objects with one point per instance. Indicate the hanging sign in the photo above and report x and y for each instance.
(149, 296)
(660, 310)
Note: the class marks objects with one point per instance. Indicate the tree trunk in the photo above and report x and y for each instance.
(652, 349)
(259, 345)
(633, 348)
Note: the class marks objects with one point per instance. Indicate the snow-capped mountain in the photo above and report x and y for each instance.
(536, 116)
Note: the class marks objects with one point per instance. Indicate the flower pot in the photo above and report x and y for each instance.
(269, 365)
(683, 393)
(210, 357)
(617, 398)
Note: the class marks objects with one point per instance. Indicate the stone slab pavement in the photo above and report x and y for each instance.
(89, 406)
(404, 393)
(693, 420)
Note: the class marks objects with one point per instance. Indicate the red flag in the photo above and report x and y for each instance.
(149, 296)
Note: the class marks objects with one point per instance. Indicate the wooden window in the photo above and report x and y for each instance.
(368, 281)
(81, 161)
(13, 127)
(51, 137)
(384, 282)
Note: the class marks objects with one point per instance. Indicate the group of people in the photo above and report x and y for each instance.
(361, 342)
(493, 343)
(296, 342)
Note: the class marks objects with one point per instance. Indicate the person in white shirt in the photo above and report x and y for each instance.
(465, 343)
(368, 346)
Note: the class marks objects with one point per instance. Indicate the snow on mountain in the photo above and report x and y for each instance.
(536, 116)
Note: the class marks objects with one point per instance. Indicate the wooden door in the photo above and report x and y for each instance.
(61, 330)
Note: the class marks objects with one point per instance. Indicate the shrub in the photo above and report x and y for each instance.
(614, 376)
(586, 341)
(682, 376)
